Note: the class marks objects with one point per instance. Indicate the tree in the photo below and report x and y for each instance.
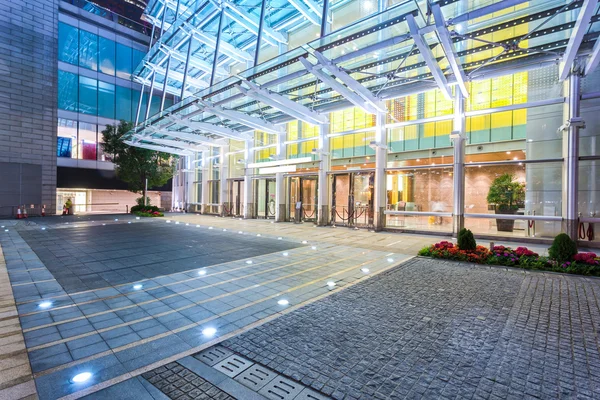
(133, 164)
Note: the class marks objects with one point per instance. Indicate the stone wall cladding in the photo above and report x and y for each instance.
(28, 91)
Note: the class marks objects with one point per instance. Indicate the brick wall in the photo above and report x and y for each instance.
(28, 96)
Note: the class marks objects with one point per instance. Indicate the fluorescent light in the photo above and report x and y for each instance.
(209, 332)
(45, 304)
(283, 302)
(82, 377)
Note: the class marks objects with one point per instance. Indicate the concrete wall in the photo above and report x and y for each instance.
(28, 97)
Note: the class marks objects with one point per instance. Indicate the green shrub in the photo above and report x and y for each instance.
(563, 248)
(140, 201)
(137, 208)
(466, 240)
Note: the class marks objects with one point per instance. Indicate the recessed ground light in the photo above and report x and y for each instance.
(209, 332)
(258, 234)
(116, 219)
(168, 221)
(187, 224)
(224, 230)
(43, 229)
(210, 227)
(137, 217)
(279, 238)
(82, 377)
(2, 226)
(304, 242)
(285, 254)
(129, 222)
(45, 304)
(6, 230)
(137, 287)
(390, 260)
(314, 247)
(103, 224)
(283, 302)
(240, 232)
(331, 283)
(176, 222)
(365, 270)
(249, 262)
(197, 226)
(272, 222)
(202, 272)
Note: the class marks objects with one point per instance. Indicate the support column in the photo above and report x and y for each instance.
(280, 181)
(165, 85)
(248, 192)
(217, 45)
(150, 95)
(323, 180)
(223, 175)
(204, 164)
(459, 140)
(380, 200)
(571, 159)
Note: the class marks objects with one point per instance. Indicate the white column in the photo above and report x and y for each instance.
(204, 165)
(224, 174)
(380, 199)
(323, 180)
(279, 180)
(459, 140)
(248, 193)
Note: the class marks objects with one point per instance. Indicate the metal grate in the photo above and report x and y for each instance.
(281, 388)
(256, 377)
(309, 394)
(233, 365)
(213, 355)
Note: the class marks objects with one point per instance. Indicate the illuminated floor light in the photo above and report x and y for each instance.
(283, 302)
(197, 226)
(390, 260)
(129, 222)
(82, 377)
(279, 238)
(272, 222)
(168, 221)
(314, 247)
(137, 287)
(258, 234)
(249, 262)
(202, 272)
(331, 283)
(286, 254)
(187, 224)
(304, 242)
(365, 270)
(6, 230)
(209, 332)
(45, 304)
(176, 222)
(210, 227)
(224, 230)
(43, 229)
(103, 224)
(116, 219)
(240, 232)
(137, 217)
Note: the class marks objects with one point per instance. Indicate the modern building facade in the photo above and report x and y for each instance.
(396, 114)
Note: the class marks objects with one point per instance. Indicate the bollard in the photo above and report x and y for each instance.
(491, 246)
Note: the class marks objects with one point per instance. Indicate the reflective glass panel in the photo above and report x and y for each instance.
(88, 50)
(88, 95)
(106, 56)
(68, 43)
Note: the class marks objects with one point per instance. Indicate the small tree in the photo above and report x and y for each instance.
(133, 164)
(506, 193)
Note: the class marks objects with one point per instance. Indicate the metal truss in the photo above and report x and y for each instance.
(247, 21)
(240, 118)
(306, 11)
(174, 143)
(282, 103)
(592, 63)
(164, 149)
(428, 57)
(581, 26)
(449, 50)
(211, 41)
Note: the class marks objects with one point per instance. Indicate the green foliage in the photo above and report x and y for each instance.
(68, 203)
(466, 240)
(140, 201)
(506, 193)
(145, 213)
(563, 248)
(133, 164)
(137, 208)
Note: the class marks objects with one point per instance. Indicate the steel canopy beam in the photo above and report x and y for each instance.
(241, 118)
(178, 75)
(581, 26)
(352, 83)
(449, 50)
(594, 58)
(428, 57)
(163, 149)
(244, 19)
(306, 12)
(210, 128)
(210, 41)
(190, 137)
(175, 143)
(194, 61)
(283, 104)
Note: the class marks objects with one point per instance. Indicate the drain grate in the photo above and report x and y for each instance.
(281, 388)
(233, 365)
(256, 377)
(309, 394)
(213, 355)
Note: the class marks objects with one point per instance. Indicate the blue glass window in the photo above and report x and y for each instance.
(106, 100)
(88, 95)
(124, 59)
(138, 56)
(106, 56)
(88, 50)
(67, 138)
(124, 107)
(68, 43)
(67, 91)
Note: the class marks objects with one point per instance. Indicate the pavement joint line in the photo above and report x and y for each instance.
(102, 385)
(141, 280)
(75, 304)
(199, 323)
(179, 309)
(153, 300)
(33, 283)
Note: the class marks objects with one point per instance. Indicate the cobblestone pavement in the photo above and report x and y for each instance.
(435, 329)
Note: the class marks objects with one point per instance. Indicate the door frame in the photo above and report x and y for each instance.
(351, 219)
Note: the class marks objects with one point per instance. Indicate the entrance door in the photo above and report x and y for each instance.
(304, 190)
(352, 199)
(265, 195)
(236, 194)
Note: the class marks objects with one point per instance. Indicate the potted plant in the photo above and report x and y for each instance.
(507, 195)
(69, 206)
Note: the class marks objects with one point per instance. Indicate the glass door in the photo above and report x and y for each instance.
(308, 197)
(340, 211)
(265, 198)
(294, 197)
(236, 194)
(362, 193)
(271, 206)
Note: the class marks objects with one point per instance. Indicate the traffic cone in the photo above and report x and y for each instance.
(44, 210)
(19, 213)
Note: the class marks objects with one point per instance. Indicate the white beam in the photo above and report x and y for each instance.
(239, 15)
(594, 58)
(283, 104)
(241, 118)
(581, 26)
(198, 83)
(194, 61)
(174, 143)
(210, 41)
(317, 9)
(338, 87)
(306, 12)
(163, 149)
(210, 128)
(449, 50)
(351, 82)
(428, 56)
(190, 137)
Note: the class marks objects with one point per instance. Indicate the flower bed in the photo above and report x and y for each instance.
(148, 213)
(521, 257)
